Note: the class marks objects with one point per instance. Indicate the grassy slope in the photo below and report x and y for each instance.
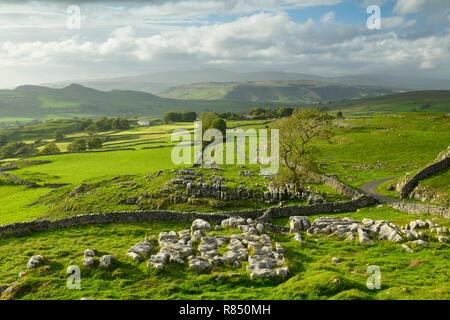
(439, 182)
(420, 275)
(273, 91)
(423, 274)
(412, 138)
(75, 100)
(439, 101)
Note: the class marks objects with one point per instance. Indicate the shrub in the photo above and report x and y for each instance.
(94, 143)
(50, 148)
(77, 145)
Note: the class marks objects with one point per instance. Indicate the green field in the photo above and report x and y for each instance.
(382, 145)
(417, 101)
(304, 92)
(35, 102)
(422, 275)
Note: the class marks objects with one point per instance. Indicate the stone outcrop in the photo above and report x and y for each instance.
(35, 261)
(348, 229)
(298, 224)
(140, 250)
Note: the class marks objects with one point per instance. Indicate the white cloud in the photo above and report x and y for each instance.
(119, 40)
(397, 22)
(260, 39)
(409, 6)
(327, 17)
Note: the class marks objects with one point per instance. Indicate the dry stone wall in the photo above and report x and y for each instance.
(417, 208)
(162, 215)
(407, 185)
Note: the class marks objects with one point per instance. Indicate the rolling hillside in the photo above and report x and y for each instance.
(272, 91)
(415, 101)
(161, 81)
(35, 102)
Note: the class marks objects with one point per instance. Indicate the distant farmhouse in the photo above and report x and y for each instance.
(146, 123)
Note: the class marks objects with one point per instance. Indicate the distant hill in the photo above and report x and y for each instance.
(161, 81)
(420, 101)
(38, 102)
(301, 92)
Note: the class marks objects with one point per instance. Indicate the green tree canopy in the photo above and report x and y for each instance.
(77, 145)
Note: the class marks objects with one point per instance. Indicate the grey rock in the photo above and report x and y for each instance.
(404, 246)
(298, 237)
(299, 223)
(335, 260)
(35, 261)
(107, 261)
(200, 225)
(198, 265)
(411, 234)
(88, 261)
(142, 249)
(89, 253)
(420, 243)
(363, 236)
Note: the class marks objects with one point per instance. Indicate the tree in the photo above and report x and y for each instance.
(339, 115)
(12, 148)
(85, 123)
(91, 129)
(58, 135)
(103, 124)
(296, 134)
(211, 120)
(179, 116)
(50, 148)
(94, 143)
(284, 112)
(77, 145)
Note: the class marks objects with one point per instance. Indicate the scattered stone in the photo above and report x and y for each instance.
(404, 246)
(89, 253)
(200, 225)
(335, 260)
(315, 198)
(298, 237)
(363, 236)
(199, 264)
(264, 262)
(299, 223)
(442, 239)
(420, 243)
(88, 261)
(107, 261)
(140, 250)
(260, 228)
(411, 234)
(232, 222)
(35, 261)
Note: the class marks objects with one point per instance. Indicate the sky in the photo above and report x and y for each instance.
(42, 41)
